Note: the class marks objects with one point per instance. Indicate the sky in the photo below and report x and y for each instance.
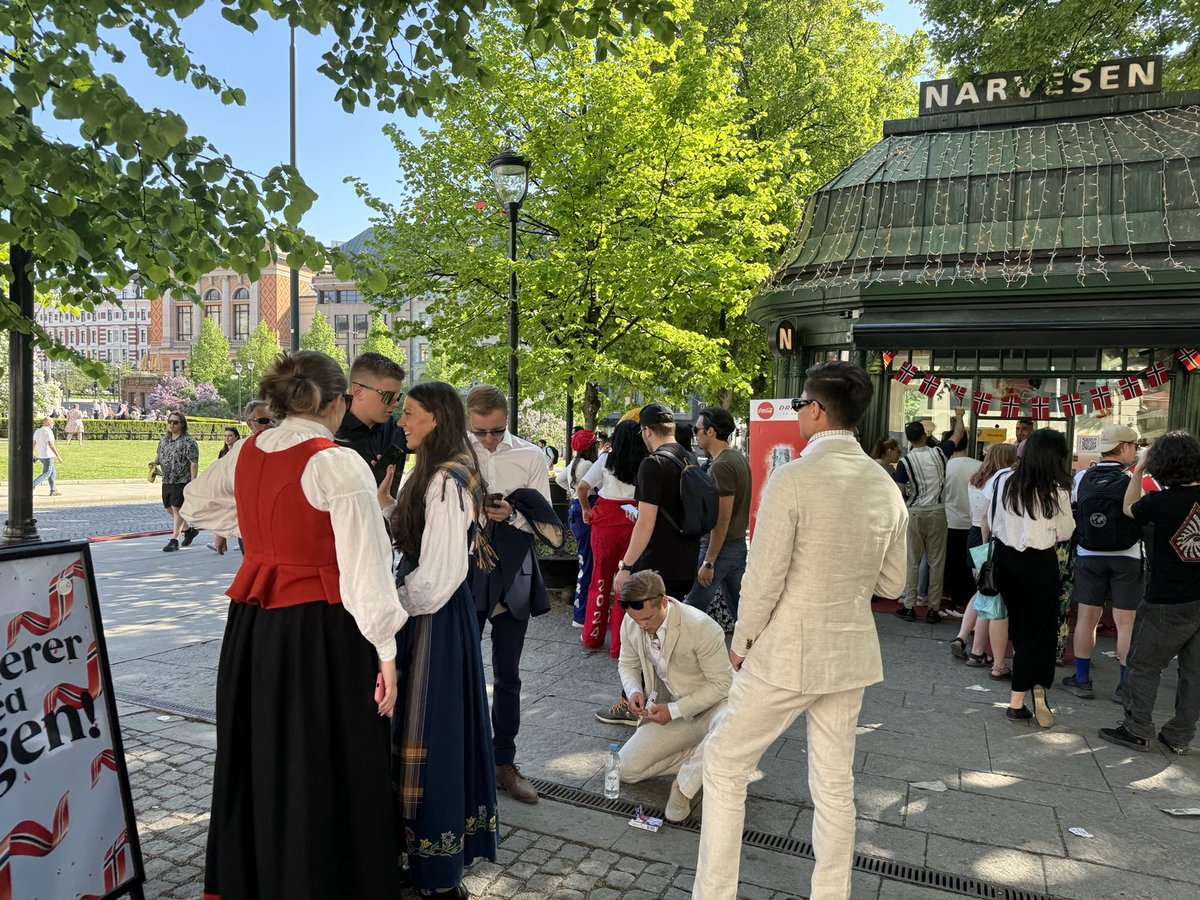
(330, 144)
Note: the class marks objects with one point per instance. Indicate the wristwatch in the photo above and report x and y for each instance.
(512, 518)
(706, 565)
(621, 567)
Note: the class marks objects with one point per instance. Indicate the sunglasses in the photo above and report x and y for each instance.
(174, 422)
(799, 403)
(493, 432)
(264, 420)
(638, 604)
(389, 398)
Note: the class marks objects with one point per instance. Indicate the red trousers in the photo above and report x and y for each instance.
(611, 530)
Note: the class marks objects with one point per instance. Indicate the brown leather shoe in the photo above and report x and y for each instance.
(519, 787)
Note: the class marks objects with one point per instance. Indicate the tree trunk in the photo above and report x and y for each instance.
(591, 405)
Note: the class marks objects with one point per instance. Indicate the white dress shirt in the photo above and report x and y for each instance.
(608, 485)
(449, 513)
(336, 481)
(515, 463)
(658, 658)
(1020, 532)
(835, 434)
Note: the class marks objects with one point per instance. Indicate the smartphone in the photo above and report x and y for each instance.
(392, 456)
(493, 499)
(630, 508)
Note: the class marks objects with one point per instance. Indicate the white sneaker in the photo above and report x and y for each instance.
(679, 806)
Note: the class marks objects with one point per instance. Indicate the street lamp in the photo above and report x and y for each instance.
(510, 175)
(237, 376)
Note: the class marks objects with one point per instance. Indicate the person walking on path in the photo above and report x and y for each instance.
(922, 476)
(805, 641)
(75, 424)
(443, 767)
(45, 452)
(1168, 619)
(614, 478)
(301, 806)
(178, 458)
(723, 550)
(510, 592)
(1028, 514)
(583, 444)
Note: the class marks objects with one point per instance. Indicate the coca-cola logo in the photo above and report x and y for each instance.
(766, 410)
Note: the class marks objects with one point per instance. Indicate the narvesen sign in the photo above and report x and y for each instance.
(1139, 75)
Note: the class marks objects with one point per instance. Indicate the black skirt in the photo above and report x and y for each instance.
(301, 793)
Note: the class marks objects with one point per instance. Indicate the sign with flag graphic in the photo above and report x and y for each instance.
(1101, 397)
(1156, 376)
(980, 403)
(906, 373)
(67, 826)
(1010, 407)
(1039, 407)
(929, 385)
(1130, 387)
(1071, 405)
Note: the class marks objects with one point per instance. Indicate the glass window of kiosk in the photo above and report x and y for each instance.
(1147, 415)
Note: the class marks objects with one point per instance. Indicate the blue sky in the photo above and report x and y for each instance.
(330, 143)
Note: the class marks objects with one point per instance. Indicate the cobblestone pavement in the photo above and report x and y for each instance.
(74, 523)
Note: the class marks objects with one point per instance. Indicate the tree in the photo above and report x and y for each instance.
(539, 425)
(47, 395)
(974, 36)
(381, 340)
(261, 348)
(652, 213)
(179, 393)
(210, 354)
(138, 194)
(320, 337)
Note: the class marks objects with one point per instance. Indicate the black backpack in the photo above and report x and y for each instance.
(697, 495)
(1100, 520)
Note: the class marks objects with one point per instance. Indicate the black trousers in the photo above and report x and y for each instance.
(1029, 583)
(508, 640)
(959, 582)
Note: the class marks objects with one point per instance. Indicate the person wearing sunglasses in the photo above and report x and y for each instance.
(832, 530)
(369, 428)
(676, 654)
(258, 416)
(178, 458)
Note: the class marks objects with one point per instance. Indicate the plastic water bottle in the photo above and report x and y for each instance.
(612, 774)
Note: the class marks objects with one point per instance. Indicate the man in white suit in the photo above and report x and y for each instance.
(678, 654)
(831, 531)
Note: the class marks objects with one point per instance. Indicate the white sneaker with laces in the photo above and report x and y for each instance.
(679, 806)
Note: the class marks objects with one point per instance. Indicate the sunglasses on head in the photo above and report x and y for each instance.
(388, 397)
(494, 432)
(636, 604)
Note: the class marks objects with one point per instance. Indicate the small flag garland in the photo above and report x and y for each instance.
(1071, 405)
(1040, 407)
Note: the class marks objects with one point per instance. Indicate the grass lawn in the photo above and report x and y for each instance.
(106, 459)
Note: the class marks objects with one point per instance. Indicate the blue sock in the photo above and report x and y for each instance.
(1083, 669)
(1124, 674)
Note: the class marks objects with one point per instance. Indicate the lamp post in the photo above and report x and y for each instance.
(510, 175)
(250, 377)
(237, 376)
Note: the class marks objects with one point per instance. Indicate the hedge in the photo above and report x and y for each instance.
(132, 430)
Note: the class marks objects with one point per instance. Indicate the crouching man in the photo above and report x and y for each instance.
(676, 675)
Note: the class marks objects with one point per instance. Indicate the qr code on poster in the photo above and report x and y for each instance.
(1089, 443)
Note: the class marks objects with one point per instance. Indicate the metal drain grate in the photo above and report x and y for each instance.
(873, 865)
(168, 706)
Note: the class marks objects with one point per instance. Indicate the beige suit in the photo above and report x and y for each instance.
(697, 667)
(831, 531)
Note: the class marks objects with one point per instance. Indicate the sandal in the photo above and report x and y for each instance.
(1000, 674)
(958, 648)
(978, 660)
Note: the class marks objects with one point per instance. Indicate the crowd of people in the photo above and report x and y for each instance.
(353, 708)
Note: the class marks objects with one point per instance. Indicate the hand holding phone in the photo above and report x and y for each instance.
(392, 456)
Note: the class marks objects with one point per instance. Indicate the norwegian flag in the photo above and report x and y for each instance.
(1156, 376)
(887, 356)
(906, 373)
(115, 866)
(30, 838)
(929, 385)
(72, 695)
(959, 391)
(1010, 407)
(61, 597)
(980, 403)
(1101, 397)
(1071, 405)
(1189, 357)
(1130, 387)
(1040, 407)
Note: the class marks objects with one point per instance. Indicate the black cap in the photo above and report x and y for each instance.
(655, 414)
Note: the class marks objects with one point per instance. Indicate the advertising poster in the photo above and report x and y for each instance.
(67, 828)
(774, 440)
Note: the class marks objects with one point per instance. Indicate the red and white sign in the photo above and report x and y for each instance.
(774, 441)
(65, 815)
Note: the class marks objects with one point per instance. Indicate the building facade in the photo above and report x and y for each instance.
(1035, 260)
(112, 332)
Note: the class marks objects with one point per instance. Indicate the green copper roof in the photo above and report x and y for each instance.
(1014, 199)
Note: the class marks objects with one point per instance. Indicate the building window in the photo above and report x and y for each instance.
(214, 313)
(212, 295)
(183, 322)
(241, 321)
(360, 326)
(341, 325)
(241, 294)
(423, 353)
(103, 335)
(349, 297)
(177, 366)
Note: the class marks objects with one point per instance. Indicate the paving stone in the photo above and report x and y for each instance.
(618, 879)
(535, 855)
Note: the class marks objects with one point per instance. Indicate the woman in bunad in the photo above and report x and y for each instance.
(443, 768)
(300, 803)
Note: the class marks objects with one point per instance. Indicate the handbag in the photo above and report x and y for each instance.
(985, 580)
(987, 606)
